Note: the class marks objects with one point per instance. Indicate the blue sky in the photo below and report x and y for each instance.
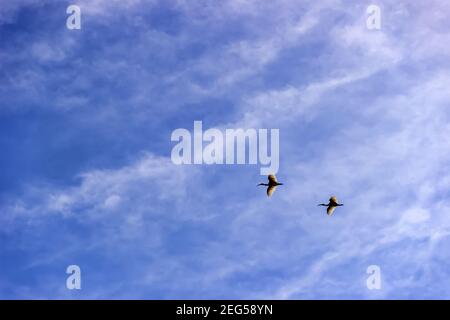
(86, 176)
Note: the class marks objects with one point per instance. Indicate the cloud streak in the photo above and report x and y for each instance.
(362, 114)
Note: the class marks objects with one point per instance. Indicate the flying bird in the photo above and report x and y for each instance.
(331, 205)
(272, 185)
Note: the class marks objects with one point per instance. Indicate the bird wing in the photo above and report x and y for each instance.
(333, 200)
(272, 178)
(270, 190)
(330, 210)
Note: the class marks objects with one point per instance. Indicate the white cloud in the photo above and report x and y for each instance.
(386, 160)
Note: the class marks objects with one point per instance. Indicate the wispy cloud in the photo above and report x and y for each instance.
(362, 114)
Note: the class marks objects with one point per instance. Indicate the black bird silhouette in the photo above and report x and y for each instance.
(331, 205)
(272, 185)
